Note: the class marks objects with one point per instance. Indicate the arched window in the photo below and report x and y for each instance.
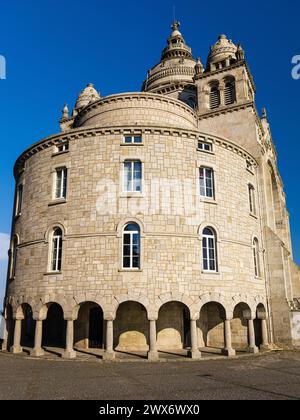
(209, 250)
(256, 257)
(56, 250)
(131, 246)
(229, 92)
(252, 204)
(214, 98)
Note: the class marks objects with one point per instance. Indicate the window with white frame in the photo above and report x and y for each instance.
(19, 200)
(133, 139)
(63, 147)
(209, 250)
(56, 255)
(61, 178)
(256, 257)
(131, 246)
(133, 176)
(202, 145)
(206, 176)
(252, 204)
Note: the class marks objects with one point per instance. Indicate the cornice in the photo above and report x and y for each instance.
(77, 134)
(141, 96)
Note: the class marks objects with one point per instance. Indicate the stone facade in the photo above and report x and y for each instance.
(170, 301)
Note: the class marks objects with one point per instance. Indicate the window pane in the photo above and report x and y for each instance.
(126, 250)
(137, 176)
(126, 262)
(127, 176)
(136, 262)
(128, 140)
(132, 227)
(137, 139)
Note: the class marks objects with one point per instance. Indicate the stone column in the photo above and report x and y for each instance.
(16, 348)
(228, 350)
(69, 352)
(265, 340)
(251, 332)
(153, 353)
(194, 353)
(37, 351)
(4, 345)
(109, 353)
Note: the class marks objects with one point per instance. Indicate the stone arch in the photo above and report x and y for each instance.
(25, 314)
(9, 326)
(239, 325)
(210, 326)
(132, 297)
(51, 228)
(80, 298)
(89, 325)
(125, 221)
(131, 327)
(219, 298)
(173, 324)
(54, 325)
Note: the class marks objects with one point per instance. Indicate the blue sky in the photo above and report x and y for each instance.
(54, 48)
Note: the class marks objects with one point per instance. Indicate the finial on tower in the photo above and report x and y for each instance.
(264, 113)
(176, 25)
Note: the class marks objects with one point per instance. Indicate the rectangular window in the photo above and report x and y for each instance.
(61, 183)
(19, 199)
(207, 182)
(207, 147)
(64, 147)
(132, 176)
(252, 199)
(133, 140)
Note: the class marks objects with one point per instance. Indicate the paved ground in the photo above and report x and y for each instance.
(270, 376)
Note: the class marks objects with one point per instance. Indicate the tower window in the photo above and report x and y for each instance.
(209, 250)
(202, 145)
(64, 147)
(229, 93)
(19, 200)
(61, 183)
(131, 246)
(214, 97)
(252, 204)
(132, 176)
(133, 140)
(256, 258)
(207, 182)
(56, 250)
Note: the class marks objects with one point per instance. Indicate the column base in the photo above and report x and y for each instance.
(3, 346)
(69, 354)
(153, 356)
(265, 347)
(109, 355)
(16, 349)
(253, 349)
(194, 354)
(229, 352)
(37, 352)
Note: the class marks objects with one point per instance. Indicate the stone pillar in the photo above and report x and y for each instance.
(4, 345)
(37, 351)
(252, 347)
(194, 353)
(153, 353)
(69, 352)
(222, 94)
(228, 350)
(265, 340)
(109, 353)
(16, 348)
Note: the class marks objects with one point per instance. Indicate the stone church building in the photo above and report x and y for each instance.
(155, 221)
